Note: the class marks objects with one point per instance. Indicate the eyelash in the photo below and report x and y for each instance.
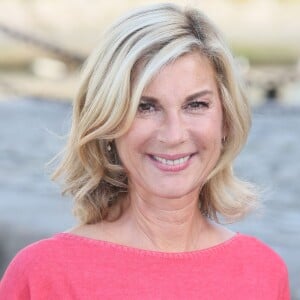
(196, 105)
(142, 108)
(148, 107)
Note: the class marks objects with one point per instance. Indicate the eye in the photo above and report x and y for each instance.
(146, 107)
(197, 105)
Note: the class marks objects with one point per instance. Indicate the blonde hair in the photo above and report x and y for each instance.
(107, 100)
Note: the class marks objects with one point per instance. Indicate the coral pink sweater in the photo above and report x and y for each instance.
(72, 267)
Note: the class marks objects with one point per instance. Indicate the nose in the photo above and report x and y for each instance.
(173, 129)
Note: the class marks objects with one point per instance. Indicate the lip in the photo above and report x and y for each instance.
(171, 168)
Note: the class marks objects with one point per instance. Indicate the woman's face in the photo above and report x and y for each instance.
(175, 139)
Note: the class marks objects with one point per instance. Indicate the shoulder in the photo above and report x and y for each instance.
(29, 265)
(27, 257)
(259, 255)
(255, 246)
(61, 252)
(47, 254)
(264, 265)
(41, 247)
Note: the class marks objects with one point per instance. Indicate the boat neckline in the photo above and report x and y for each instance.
(135, 250)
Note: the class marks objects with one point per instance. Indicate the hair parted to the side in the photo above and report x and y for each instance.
(105, 107)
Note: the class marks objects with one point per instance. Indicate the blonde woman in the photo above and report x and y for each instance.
(159, 117)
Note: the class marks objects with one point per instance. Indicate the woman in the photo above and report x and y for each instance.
(159, 117)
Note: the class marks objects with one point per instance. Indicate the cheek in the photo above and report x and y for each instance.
(141, 133)
(209, 130)
(130, 144)
(216, 124)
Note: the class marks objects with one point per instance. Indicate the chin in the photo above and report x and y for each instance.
(171, 193)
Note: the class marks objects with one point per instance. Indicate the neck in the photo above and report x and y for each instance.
(170, 225)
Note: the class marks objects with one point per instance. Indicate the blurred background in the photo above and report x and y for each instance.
(42, 46)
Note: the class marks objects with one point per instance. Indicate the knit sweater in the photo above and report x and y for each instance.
(67, 266)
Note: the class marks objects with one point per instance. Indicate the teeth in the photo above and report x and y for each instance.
(171, 162)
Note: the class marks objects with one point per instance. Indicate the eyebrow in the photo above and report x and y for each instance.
(199, 94)
(188, 98)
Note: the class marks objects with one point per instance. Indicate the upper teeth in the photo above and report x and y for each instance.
(172, 162)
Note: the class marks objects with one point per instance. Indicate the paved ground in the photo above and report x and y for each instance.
(31, 208)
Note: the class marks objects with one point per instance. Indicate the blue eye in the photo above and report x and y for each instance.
(146, 107)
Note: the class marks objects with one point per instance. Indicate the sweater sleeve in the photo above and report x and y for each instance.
(14, 283)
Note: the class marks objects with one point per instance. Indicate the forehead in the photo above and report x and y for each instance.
(190, 71)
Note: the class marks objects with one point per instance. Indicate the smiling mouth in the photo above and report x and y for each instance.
(171, 162)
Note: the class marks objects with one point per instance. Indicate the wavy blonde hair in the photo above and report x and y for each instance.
(130, 53)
